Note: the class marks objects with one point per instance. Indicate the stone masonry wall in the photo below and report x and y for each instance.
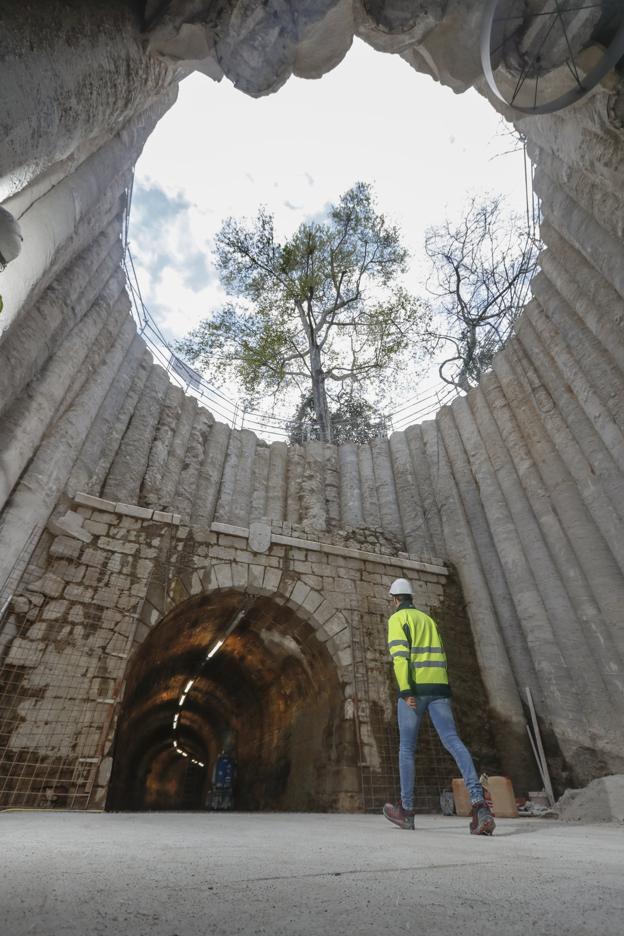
(85, 608)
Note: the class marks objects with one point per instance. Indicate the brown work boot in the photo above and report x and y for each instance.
(482, 822)
(403, 818)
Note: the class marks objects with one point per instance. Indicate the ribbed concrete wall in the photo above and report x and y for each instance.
(520, 484)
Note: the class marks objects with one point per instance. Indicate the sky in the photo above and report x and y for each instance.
(219, 153)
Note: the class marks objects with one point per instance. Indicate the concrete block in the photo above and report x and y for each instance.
(128, 549)
(101, 517)
(78, 593)
(65, 548)
(25, 653)
(117, 562)
(160, 516)
(272, 579)
(117, 645)
(106, 597)
(143, 568)
(127, 522)
(104, 772)
(125, 626)
(203, 536)
(133, 510)
(110, 618)
(49, 585)
(324, 612)
(70, 524)
(299, 593)
(222, 552)
(256, 576)
(229, 529)
(345, 657)
(98, 503)
(312, 601)
(302, 567)
(54, 610)
(128, 602)
(196, 586)
(227, 540)
(96, 528)
(296, 542)
(243, 555)
(335, 624)
(342, 639)
(223, 574)
(94, 576)
(240, 573)
(37, 631)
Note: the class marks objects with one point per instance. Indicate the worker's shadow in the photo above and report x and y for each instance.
(507, 831)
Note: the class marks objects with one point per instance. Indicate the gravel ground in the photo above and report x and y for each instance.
(177, 874)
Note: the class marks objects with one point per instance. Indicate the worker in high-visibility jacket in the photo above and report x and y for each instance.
(421, 672)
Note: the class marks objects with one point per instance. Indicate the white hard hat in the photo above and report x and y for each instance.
(10, 237)
(401, 587)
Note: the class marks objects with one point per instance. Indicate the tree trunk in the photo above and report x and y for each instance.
(471, 350)
(319, 395)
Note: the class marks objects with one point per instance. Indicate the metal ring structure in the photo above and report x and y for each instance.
(610, 59)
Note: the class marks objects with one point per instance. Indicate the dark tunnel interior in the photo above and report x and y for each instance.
(270, 696)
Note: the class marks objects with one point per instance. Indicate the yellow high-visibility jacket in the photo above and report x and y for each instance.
(417, 653)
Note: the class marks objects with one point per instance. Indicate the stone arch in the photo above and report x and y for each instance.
(254, 579)
(274, 687)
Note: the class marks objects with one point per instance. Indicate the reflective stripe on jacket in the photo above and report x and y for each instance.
(417, 653)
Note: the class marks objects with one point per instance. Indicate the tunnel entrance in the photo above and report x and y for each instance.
(268, 697)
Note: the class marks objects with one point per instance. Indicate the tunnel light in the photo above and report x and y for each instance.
(182, 699)
(216, 647)
(175, 719)
(188, 685)
(184, 753)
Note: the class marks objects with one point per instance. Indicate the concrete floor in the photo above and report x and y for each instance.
(178, 874)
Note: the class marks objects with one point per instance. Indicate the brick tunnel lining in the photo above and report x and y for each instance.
(272, 688)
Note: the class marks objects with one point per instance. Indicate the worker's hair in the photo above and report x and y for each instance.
(404, 597)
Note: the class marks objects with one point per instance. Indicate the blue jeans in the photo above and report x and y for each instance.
(441, 715)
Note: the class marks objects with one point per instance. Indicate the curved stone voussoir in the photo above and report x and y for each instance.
(324, 43)
(184, 32)
(259, 47)
(395, 25)
(450, 53)
(256, 46)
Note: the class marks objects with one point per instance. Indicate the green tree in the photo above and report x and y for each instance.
(322, 312)
(482, 268)
(353, 419)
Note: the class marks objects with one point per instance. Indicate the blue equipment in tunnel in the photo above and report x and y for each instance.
(223, 777)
